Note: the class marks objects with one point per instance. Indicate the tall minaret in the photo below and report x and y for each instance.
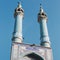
(18, 15)
(42, 19)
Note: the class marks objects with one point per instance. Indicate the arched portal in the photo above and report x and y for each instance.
(33, 56)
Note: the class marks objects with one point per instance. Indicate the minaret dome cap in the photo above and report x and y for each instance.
(19, 9)
(41, 14)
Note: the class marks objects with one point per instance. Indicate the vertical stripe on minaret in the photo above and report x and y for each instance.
(18, 15)
(42, 19)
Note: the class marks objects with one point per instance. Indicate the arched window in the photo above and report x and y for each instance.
(33, 56)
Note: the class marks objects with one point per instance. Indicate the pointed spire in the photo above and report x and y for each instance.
(19, 5)
(41, 9)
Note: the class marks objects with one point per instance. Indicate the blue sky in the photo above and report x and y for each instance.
(31, 29)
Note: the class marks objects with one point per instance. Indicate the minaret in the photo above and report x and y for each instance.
(42, 19)
(18, 15)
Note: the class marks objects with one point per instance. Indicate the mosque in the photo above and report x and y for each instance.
(23, 51)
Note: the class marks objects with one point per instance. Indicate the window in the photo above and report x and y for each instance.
(33, 56)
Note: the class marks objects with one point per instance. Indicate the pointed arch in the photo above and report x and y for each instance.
(34, 56)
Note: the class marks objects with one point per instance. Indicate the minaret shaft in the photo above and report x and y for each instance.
(43, 28)
(18, 15)
(18, 29)
(18, 24)
(44, 33)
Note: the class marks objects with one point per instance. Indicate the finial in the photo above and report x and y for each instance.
(19, 4)
(40, 5)
(41, 9)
